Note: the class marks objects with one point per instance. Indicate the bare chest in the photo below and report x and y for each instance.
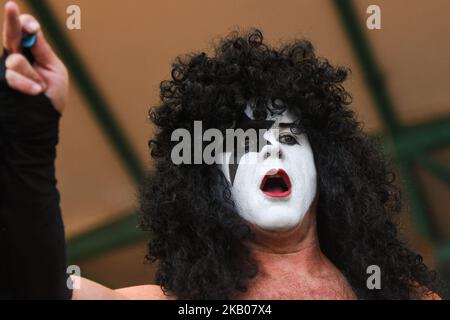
(291, 285)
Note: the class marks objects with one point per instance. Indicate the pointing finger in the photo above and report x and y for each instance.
(12, 30)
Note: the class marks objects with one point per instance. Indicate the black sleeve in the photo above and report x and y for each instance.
(32, 243)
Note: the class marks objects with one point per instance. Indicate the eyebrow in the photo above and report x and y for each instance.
(283, 125)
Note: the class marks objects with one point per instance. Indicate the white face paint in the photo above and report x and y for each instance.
(274, 188)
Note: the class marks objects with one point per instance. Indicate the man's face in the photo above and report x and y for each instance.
(273, 188)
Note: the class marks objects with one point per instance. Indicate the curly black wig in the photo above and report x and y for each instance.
(195, 233)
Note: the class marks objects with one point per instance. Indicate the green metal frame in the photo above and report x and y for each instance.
(410, 145)
(366, 59)
(437, 169)
(112, 235)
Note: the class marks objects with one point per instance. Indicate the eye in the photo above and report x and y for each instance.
(276, 106)
(288, 139)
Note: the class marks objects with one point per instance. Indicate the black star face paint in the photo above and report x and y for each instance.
(240, 148)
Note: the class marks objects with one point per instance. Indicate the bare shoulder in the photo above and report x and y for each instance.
(144, 292)
(423, 293)
(85, 289)
(431, 296)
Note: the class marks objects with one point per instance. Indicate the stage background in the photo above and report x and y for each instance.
(125, 48)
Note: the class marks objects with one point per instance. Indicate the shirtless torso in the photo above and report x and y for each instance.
(291, 266)
(280, 277)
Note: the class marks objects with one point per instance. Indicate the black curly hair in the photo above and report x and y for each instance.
(195, 233)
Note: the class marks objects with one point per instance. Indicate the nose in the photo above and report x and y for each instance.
(271, 151)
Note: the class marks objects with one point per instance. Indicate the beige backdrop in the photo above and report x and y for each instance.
(128, 47)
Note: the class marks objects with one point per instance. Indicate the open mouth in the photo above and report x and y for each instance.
(276, 183)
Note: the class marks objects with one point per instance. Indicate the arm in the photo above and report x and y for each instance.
(90, 290)
(32, 242)
(32, 232)
(32, 99)
(29, 207)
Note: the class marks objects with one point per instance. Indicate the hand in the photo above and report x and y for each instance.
(47, 74)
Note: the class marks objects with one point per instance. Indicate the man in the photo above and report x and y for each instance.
(301, 216)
